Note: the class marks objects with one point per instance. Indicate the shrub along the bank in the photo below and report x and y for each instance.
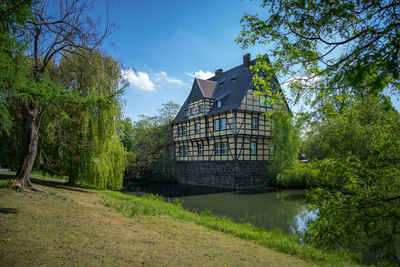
(299, 176)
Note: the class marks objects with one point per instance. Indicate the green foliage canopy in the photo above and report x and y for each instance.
(152, 145)
(82, 134)
(357, 154)
(332, 51)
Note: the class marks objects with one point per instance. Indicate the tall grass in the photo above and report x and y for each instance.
(155, 205)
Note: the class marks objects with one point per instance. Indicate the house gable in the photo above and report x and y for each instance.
(201, 89)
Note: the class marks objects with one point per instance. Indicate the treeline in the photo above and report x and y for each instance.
(149, 145)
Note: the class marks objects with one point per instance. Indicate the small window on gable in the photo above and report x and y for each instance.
(200, 108)
(197, 128)
(186, 113)
(219, 103)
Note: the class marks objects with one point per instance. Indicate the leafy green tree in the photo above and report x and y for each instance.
(55, 28)
(153, 144)
(125, 133)
(13, 16)
(359, 170)
(86, 132)
(332, 51)
(341, 57)
(167, 112)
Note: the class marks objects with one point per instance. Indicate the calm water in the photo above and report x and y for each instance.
(284, 210)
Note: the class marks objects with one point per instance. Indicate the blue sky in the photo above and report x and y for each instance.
(162, 45)
(167, 42)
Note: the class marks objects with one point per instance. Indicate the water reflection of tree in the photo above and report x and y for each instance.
(287, 213)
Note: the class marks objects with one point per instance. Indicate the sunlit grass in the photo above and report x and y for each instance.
(155, 205)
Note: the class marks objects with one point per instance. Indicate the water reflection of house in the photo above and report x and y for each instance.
(220, 136)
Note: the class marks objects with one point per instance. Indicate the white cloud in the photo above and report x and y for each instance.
(201, 74)
(163, 76)
(138, 79)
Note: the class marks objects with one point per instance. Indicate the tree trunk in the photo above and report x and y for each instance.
(31, 140)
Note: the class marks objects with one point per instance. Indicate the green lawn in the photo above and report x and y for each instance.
(82, 227)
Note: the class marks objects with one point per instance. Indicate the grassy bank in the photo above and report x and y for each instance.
(71, 226)
(132, 206)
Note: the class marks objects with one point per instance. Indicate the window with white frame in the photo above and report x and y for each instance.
(221, 148)
(200, 108)
(233, 125)
(254, 123)
(198, 128)
(216, 125)
(200, 150)
(224, 148)
(222, 124)
(218, 149)
(182, 131)
(183, 151)
(253, 148)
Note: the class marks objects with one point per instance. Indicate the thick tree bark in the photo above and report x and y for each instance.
(31, 140)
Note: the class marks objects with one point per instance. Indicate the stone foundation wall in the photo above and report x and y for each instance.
(236, 175)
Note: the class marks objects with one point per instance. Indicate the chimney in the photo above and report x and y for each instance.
(246, 60)
(218, 72)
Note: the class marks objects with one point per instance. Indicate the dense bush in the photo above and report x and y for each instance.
(299, 176)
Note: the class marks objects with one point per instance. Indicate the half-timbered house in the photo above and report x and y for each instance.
(220, 134)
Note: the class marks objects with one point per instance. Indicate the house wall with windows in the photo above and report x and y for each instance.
(221, 136)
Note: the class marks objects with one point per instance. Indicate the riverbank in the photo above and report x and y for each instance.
(74, 226)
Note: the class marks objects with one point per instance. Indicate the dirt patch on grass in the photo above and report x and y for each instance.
(66, 227)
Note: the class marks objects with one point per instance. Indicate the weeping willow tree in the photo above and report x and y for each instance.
(81, 140)
(285, 142)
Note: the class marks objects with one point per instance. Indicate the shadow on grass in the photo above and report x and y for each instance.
(6, 176)
(58, 184)
(8, 210)
(49, 182)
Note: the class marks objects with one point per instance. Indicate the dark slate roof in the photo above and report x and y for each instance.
(230, 87)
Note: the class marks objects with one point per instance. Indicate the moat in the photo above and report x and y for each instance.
(270, 209)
